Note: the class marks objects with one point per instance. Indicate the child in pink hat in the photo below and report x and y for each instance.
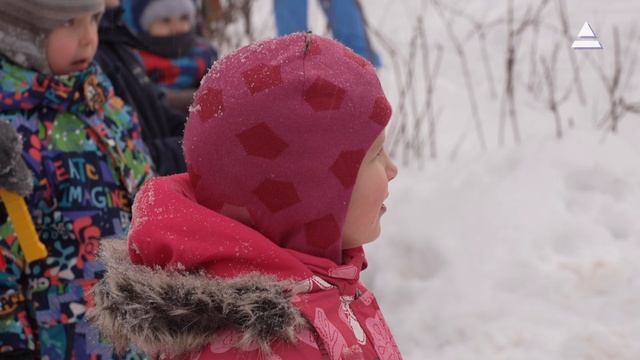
(260, 244)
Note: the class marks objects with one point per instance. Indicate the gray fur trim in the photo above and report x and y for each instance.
(174, 312)
(14, 174)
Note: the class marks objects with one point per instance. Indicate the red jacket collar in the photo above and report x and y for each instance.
(171, 230)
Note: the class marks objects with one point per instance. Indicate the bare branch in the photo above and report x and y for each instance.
(553, 103)
(471, 95)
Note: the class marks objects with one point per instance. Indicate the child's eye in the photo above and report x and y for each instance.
(166, 20)
(96, 17)
(184, 17)
(69, 22)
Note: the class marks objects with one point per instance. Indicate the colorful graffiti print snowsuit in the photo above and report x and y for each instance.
(84, 148)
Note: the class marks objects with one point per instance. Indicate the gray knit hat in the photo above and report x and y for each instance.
(26, 24)
(158, 9)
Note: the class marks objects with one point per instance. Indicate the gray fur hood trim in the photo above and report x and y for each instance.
(174, 312)
(14, 174)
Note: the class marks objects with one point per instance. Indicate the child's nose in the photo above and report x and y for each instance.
(178, 26)
(88, 37)
(392, 170)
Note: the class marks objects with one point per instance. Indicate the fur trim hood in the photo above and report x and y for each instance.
(14, 174)
(175, 312)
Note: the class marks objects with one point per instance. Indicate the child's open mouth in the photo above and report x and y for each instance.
(80, 64)
(383, 208)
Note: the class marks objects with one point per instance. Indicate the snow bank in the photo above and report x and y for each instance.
(524, 253)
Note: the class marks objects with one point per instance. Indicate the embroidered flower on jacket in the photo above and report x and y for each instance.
(382, 339)
(333, 340)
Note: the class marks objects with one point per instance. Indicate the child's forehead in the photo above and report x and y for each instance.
(377, 143)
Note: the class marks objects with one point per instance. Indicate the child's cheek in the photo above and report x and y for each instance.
(382, 185)
(376, 198)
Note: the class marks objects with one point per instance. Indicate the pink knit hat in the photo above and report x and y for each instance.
(276, 135)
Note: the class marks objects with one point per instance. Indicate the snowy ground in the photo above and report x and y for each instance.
(519, 252)
(530, 253)
(522, 252)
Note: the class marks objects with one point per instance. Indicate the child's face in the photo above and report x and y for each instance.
(111, 3)
(169, 26)
(362, 224)
(71, 46)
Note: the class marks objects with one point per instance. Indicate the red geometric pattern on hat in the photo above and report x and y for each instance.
(323, 232)
(277, 195)
(340, 90)
(323, 95)
(262, 141)
(210, 104)
(346, 167)
(381, 111)
(262, 77)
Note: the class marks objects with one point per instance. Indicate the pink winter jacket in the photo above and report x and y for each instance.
(174, 292)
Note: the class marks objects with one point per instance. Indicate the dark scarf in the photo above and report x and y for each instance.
(169, 46)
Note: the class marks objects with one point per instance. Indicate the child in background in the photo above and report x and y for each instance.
(83, 146)
(261, 241)
(162, 127)
(174, 56)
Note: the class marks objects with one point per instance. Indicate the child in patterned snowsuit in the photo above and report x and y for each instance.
(175, 56)
(83, 146)
(256, 252)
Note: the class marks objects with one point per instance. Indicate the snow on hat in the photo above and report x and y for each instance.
(25, 25)
(277, 133)
(141, 13)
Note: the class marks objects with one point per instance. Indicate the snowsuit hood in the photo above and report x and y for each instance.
(277, 133)
(175, 312)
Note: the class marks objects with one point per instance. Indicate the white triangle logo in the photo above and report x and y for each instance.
(587, 39)
(586, 32)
